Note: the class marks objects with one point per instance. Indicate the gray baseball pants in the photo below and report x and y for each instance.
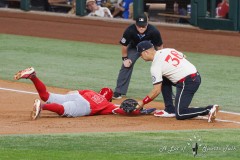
(125, 74)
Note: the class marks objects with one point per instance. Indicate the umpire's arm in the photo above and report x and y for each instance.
(124, 51)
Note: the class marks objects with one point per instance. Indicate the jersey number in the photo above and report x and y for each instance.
(174, 58)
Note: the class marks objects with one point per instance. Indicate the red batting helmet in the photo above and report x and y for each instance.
(107, 93)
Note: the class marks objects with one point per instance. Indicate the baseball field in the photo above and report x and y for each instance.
(71, 53)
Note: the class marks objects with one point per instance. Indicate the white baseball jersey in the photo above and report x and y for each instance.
(171, 64)
(101, 12)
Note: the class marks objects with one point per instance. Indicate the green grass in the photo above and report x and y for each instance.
(81, 65)
(132, 145)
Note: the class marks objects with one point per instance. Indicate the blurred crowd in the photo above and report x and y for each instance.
(107, 8)
(117, 8)
(99, 8)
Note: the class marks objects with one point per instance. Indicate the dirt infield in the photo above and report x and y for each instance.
(16, 106)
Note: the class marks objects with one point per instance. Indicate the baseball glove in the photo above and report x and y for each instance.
(129, 105)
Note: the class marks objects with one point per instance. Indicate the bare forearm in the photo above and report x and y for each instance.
(124, 51)
(151, 96)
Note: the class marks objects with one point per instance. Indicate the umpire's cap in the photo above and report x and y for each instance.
(141, 20)
(143, 46)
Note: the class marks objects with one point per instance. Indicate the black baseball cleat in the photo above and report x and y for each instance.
(117, 95)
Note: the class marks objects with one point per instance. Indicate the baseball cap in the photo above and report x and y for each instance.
(90, 1)
(141, 20)
(143, 46)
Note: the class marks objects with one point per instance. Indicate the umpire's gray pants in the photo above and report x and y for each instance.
(125, 74)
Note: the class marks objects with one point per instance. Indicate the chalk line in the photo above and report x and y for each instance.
(15, 90)
(219, 120)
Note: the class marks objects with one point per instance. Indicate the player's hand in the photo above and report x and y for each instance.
(127, 63)
(140, 105)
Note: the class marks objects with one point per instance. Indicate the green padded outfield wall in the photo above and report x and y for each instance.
(238, 26)
(205, 19)
(81, 7)
(25, 5)
(137, 8)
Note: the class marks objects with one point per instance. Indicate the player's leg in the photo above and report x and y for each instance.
(69, 105)
(30, 73)
(169, 110)
(167, 95)
(125, 74)
(76, 108)
(40, 87)
(185, 93)
(53, 107)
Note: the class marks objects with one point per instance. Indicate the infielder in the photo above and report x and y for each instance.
(172, 65)
(134, 34)
(75, 103)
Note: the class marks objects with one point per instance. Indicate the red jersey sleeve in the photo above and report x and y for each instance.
(122, 112)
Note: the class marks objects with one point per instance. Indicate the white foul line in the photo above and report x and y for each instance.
(228, 121)
(14, 90)
(201, 117)
(230, 112)
(219, 120)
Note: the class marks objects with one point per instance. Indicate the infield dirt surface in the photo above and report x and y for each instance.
(15, 107)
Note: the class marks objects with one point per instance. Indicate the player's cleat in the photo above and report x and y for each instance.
(36, 109)
(162, 113)
(26, 73)
(213, 113)
(117, 95)
(147, 110)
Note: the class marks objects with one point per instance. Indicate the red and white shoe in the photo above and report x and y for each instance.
(36, 109)
(26, 73)
(162, 113)
(213, 113)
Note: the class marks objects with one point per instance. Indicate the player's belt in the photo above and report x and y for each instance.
(191, 75)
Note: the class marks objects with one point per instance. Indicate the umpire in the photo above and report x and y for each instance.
(135, 33)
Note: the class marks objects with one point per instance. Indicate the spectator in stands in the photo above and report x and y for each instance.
(124, 9)
(118, 10)
(222, 9)
(110, 4)
(73, 10)
(96, 10)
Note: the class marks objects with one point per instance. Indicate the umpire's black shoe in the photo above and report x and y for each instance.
(117, 95)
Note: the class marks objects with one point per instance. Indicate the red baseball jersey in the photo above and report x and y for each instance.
(99, 105)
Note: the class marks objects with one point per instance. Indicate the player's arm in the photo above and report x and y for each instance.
(151, 96)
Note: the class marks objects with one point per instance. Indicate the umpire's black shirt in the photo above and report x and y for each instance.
(132, 37)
